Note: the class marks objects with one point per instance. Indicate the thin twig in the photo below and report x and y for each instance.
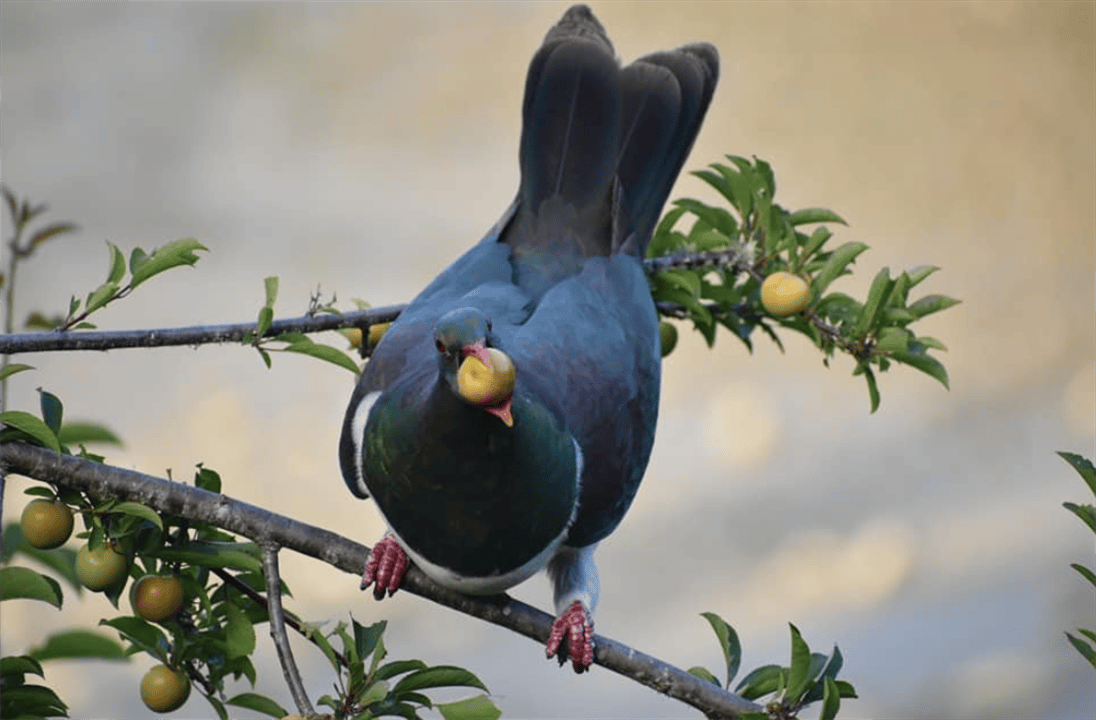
(277, 630)
(264, 526)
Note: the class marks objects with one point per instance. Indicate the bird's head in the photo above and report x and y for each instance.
(475, 370)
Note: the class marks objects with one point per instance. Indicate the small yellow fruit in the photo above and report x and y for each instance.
(667, 333)
(46, 524)
(157, 598)
(784, 294)
(482, 385)
(99, 569)
(353, 336)
(164, 690)
(376, 332)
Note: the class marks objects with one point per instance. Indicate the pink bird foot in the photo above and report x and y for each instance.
(386, 565)
(573, 635)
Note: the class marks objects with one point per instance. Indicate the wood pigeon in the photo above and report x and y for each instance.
(504, 421)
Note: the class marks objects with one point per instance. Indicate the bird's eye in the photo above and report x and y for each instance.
(440, 346)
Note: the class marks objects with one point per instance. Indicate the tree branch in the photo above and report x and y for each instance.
(277, 630)
(266, 528)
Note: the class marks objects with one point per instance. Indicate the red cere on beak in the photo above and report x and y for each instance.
(480, 351)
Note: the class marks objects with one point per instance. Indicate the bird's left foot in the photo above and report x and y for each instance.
(385, 568)
(573, 636)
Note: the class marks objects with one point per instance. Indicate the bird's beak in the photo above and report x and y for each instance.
(479, 350)
(502, 411)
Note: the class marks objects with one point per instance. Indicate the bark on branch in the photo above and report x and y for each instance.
(265, 527)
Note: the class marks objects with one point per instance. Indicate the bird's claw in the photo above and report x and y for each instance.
(385, 568)
(573, 636)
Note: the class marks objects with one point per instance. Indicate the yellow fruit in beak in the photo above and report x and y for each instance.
(485, 385)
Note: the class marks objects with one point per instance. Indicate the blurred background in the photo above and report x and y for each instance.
(359, 148)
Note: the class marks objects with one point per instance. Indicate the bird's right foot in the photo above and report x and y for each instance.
(385, 568)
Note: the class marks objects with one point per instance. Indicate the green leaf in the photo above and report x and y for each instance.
(258, 703)
(325, 352)
(919, 273)
(1087, 513)
(931, 342)
(397, 667)
(834, 266)
(931, 304)
(141, 634)
(52, 409)
(24, 583)
(439, 676)
(873, 386)
(891, 339)
(926, 364)
(1084, 648)
(266, 317)
(207, 479)
(366, 638)
(1083, 466)
(100, 296)
(799, 678)
(831, 700)
(239, 632)
(174, 254)
(762, 681)
(138, 510)
(214, 555)
(814, 215)
(33, 427)
(686, 280)
(817, 239)
(704, 674)
(878, 294)
(1085, 572)
(20, 665)
(9, 370)
(478, 707)
(715, 217)
(79, 644)
(31, 701)
(117, 264)
(728, 642)
(76, 433)
(137, 258)
(270, 285)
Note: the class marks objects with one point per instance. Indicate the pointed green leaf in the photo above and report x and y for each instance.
(686, 280)
(762, 681)
(214, 555)
(366, 638)
(138, 510)
(1084, 648)
(74, 305)
(931, 304)
(1085, 572)
(9, 370)
(834, 266)
(1083, 466)
(925, 363)
(207, 479)
(325, 352)
(117, 264)
(831, 700)
(79, 644)
(817, 239)
(137, 258)
(439, 676)
(715, 217)
(814, 215)
(931, 342)
(799, 670)
(20, 665)
(33, 427)
(891, 339)
(873, 386)
(728, 643)
(478, 707)
(100, 296)
(266, 317)
(919, 273)
(270, 286)
(878, 294)
(24, 583)
(174, 254)
(265, 356)
(140, 633)
(397, 667)
(31, 701)
(258, 703)
(704, 674)
(52, 409)
(1087, 513)
(239, 632)
(75, 433)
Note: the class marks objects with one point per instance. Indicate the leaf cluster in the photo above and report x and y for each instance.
(368, 687)
(1087, 514)
(808, 678)
(712, 275)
